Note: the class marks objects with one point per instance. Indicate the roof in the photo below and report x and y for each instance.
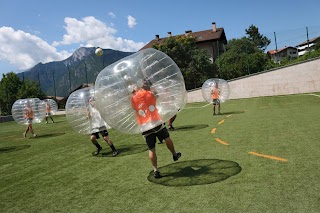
(202, 36)
(272, 52)
(58, 98)
(310, 41)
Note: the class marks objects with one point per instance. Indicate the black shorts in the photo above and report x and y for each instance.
(103, 133)
(215, 101)
(151, 135)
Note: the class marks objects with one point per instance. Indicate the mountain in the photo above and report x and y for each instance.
(82, 66)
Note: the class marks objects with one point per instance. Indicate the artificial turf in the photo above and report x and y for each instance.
(260, 155)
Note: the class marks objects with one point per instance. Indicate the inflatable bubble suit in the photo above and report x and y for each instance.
(212, 83)
(53, 105)
(20, 107)
(82, 114)
(150, 69)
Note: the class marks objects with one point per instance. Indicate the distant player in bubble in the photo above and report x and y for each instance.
(144, 103)
(28, 115)
(48, 112)
(98, 126)
(215, 94)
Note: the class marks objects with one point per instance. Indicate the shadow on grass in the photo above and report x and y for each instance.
(196, 172)
(190, 127)
(48, 135)
(234, 112)
(13, 148)
(123, 150)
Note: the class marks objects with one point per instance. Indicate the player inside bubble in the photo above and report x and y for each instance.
(147, 70)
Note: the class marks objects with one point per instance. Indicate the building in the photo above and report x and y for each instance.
(213, 40)
(286, 52)
(306, 46)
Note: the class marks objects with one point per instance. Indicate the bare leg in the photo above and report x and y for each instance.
(153, 159)
(108, 140)
(170, 145)
(30, 128)
(172, 119)
(95, 142)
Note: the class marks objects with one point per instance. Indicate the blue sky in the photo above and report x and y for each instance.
(34, 31)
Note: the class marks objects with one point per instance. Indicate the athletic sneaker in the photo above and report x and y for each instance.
(98, 151)
(24, 135)
(156, 174)
(177, 156)
(115, 153)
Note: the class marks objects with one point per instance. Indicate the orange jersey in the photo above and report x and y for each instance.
(215, 94)
(48, 108)
(28, 113)
(144, 102)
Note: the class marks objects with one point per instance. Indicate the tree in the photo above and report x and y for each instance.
(31, 89)
(194, 63)
(12, 89)
(258, 39)
(241, 58)
(9, 89)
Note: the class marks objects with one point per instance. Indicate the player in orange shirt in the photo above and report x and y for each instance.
(48, 111)
(28, 114)
(215, 94)
(144, 103)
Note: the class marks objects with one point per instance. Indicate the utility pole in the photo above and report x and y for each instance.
(69, 79)
(308, 42)
(54, 86)
(85, 67)
(276, 53)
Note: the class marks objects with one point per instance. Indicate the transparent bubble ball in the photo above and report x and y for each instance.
(82, 114)
(53, 105)
(20, 106)
(150, 69)
(212, 83)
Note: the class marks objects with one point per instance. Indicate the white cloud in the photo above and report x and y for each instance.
(131, 22)
(24, 50)
(111, 14)
(91, 32)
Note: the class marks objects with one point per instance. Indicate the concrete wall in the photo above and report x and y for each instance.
(295, 79)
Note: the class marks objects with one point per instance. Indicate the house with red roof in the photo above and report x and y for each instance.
(213, 40)
(278, 55)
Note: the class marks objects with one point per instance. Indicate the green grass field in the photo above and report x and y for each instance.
(261, 155)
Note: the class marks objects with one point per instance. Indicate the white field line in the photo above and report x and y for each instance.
(197, 107)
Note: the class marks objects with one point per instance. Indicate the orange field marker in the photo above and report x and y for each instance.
(221, 141)
(220, 122)
(268, 156)
(213, 130)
